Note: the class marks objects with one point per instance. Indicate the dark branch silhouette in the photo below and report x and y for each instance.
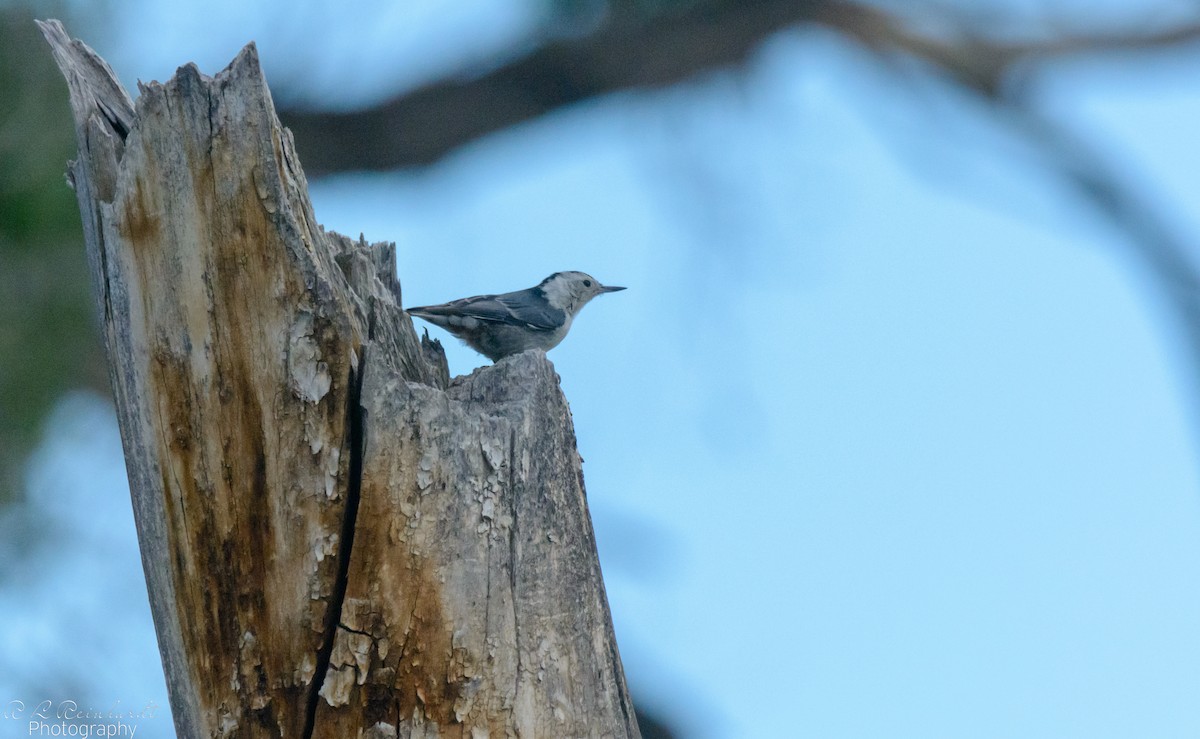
(636, 51)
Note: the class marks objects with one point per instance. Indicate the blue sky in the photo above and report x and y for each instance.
(888, 437)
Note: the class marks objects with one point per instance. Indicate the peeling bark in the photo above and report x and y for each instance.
(338, 541)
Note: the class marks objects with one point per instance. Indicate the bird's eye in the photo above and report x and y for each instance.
(587, 283)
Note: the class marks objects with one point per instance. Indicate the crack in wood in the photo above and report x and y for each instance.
(355, 422)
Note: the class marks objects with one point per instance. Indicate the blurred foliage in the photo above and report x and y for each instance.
(49, 340)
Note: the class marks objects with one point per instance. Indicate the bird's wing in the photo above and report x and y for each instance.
(522, 308)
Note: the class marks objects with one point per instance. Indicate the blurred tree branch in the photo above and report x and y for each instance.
(1168, 258)
(653, 43)
(647, 45)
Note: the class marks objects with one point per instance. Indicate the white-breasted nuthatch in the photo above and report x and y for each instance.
(497, 326)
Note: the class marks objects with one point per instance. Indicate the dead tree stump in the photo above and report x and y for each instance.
(338, 541)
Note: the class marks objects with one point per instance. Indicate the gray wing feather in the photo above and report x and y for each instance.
(524, 308)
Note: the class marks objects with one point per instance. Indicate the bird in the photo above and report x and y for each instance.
(498, 326)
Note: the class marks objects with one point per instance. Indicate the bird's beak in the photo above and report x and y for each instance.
(610, 289)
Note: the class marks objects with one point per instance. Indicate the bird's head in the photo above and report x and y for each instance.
(570, 291)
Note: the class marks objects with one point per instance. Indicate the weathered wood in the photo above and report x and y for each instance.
(486, 566)
(337, 540)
